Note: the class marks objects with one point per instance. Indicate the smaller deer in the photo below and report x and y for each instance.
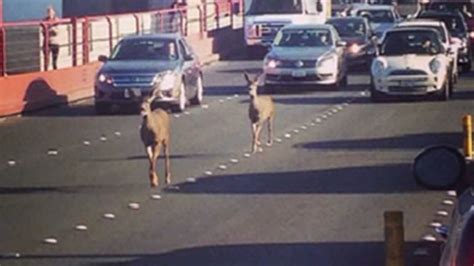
(261, 110)
(155, 133)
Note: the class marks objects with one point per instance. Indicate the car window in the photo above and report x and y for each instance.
(439, 29)
(349, 28)
(183, 49)
(454, 24)
(145, 49)
(465, 254)
(377, 16)
(411, 42)
(303, 38)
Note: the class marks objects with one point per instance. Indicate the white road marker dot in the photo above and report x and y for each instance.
(259, 149)
(229, 98)
(221, 101)
(340, 107)
(448, 202)
(11, 162)
(335, 110)
(247, 155)
(234, 161)
(187, 113)
(86, 142)
(345, 104)
(429, 238)
(53, 152)
(205, 106)
(296, 131)
(304, 127)
(312, 124)
(191, 180)
(177, 116)
(451, 193)
(208, 173)
(288, 136)
(155, 197)
(442, 213)
(223, 167)
(51, 241)
(10, 255)
(435, 224)
(81, 227)
(134, 206)
(278, 140)
(236, 96)
(363, 93)
(103, 138)
(319, 120)
(118, 133)
(110, 216)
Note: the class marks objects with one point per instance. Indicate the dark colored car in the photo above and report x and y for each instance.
(457, 27)
(357, 33)
(141, 63)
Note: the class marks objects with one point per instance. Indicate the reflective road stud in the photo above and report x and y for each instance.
(134, 206)
(155, 197)
(110, 216)
(50, 241)
(81, 227)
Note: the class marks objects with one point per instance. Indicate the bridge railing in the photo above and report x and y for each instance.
(81, 40)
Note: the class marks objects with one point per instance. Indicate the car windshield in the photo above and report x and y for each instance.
(465, 254)
(464, 8)
(146, 49)
(303, 38)
(411, 42)
(349, 28)
(259, 7)
(377, 16)
(454, 23)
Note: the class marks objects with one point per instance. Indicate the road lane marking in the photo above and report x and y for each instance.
(118, 133)
(234, 161)
(191, 180)
(134, 206)
(11, 255)
(50, 241)
(442, 213)
(205, 106)
(208, 173)
(86, 143)
(451, 193)
(429, 238)
(247, 155)
(288, 136)
(177, 116)
(103, 138)
(448, 202)
(53, 152)
(155, 197)
(81, 227)
(11, 162)
(109, 216)
(436, 224)
(223, 167)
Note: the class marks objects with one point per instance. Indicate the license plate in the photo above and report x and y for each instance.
(407, 83)
(298, 74)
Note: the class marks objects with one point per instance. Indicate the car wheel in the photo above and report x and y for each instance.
(101, 108)
(451, 85)
(181, 105)
(444, 93)
(375, 96)
(197, 99)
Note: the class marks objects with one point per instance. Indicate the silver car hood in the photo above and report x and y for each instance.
(299, 53)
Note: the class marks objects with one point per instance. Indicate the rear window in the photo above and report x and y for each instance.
(146, 49)
(455, 24)
(377, 16)
(465, 255)
(303, 38)
(438, 29)
(349, 28)
(411, 42)
(464, 8)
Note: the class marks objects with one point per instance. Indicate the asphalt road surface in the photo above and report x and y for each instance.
(315, 198)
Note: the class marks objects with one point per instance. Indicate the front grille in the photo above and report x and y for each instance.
(407, 72)
(294, 63)
(132, 80)
(287, 78)
(414, 89)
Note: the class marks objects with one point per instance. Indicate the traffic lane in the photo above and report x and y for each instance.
(81, 176)
(313, 202)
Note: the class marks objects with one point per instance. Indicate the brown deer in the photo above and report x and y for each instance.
(155, 133)
(261, 110)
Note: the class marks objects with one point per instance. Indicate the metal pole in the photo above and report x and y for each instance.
(1, 11)
(394, 238)
(467, 130)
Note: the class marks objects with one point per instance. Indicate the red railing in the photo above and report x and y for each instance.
(23, 49)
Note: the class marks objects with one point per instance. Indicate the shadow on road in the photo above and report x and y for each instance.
(409, 141)
(384, 179)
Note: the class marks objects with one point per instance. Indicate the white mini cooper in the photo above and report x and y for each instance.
(411, 62)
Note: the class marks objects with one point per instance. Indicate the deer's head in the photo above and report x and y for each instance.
(145, 107)
(252, 84)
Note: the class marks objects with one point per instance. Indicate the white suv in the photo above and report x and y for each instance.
(411, 62)
(445, 39)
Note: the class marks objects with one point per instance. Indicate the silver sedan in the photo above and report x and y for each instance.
(309, 54)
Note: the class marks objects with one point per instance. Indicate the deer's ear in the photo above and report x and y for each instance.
(247, 78)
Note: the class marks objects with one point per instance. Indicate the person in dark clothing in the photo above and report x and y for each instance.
(177, 16)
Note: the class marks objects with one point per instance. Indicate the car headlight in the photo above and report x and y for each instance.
(378, 66)
(166, 80)
(327, 64)
(435, 66)
(471, 34)
(355, 48)
(104, 78)
(272, 62)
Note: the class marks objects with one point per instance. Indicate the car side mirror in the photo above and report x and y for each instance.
(341, 44)
(102, 58)
(319, 6)
(439, 168)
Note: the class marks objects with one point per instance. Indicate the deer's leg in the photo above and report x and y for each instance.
(270, 130)
(254, 138)
(257, 134)
(167, 162)
(151, 169)
(154, 178)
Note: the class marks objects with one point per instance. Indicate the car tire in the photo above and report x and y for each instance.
(197, 99)
(375, 96)
(444, 93)
(182, 100)
(101, 108)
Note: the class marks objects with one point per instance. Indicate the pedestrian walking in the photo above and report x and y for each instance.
(51, 40)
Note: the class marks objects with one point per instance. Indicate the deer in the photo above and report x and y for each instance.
(261, 110)
(155, 134)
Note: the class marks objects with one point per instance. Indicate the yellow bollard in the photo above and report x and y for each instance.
(394, 238)
(467, 131)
